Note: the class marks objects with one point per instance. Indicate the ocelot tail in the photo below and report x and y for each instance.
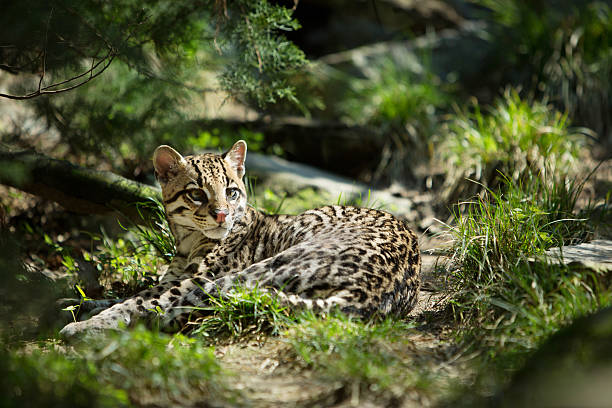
(360, 261)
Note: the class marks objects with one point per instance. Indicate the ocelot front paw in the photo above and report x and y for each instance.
(78, 330)
(93, 327)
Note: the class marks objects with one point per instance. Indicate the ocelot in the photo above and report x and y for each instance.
(358, 260)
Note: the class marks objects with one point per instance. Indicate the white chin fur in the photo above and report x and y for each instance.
(216, 233)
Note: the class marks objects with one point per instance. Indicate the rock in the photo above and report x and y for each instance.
(295, 176)
(595, 255)
(448, 48)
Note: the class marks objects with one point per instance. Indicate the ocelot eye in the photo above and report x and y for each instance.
(232, 193)
(198, 196)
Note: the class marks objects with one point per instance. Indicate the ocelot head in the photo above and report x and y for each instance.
(203, 192)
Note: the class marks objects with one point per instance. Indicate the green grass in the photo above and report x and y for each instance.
(495, 234)
(515, 137)
(403, 103)
(242, 313)
(502, 324)
(128, 261)
(156, 231)
(284, 199)
(521, 219)
(505, 304)
(52, 380)
(406, 100)
(133, 368)
(366, 357)
(359, 200)
(505, 307)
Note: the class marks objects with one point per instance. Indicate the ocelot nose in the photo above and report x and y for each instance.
(219, 215)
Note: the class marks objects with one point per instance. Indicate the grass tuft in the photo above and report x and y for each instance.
(507, 298)
(497, 229)
(129, 261)
(156, 231)
(242, 313)
(517, 137)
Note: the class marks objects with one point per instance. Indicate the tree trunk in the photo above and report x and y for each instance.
(76, 188)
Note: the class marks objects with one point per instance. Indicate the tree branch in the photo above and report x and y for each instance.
(108, 59)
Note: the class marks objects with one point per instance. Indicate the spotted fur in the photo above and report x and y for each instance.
(361, 261)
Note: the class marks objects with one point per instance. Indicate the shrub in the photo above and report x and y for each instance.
(561, 50)
(404, 104)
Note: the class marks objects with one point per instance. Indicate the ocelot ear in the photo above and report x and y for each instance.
(167, 161)
(235, 157)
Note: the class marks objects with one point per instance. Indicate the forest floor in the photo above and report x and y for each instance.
(263, 369)
(414, 361)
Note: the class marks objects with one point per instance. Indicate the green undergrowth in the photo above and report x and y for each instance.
(279, 200)
(138, 255)
(562, 50)
(133, 368)
(507, 297)
(273, 201)
(404, 102)
(520, 218)
(125, 262)
(516, 136)
(504, 304)
(364, 357)
(155, 231)
(361, 200)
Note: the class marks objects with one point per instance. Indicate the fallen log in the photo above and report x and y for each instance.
(77, 189)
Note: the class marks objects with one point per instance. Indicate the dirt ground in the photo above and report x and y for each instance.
(268, 377)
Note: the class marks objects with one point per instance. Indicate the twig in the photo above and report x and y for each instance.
(259, 61)
(105, 62)
(44, 56)
(47, 89)
(221, 10)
